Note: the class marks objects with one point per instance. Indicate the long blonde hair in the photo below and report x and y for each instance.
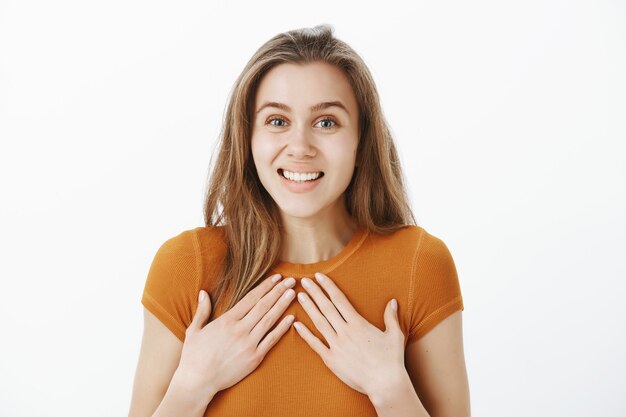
(235, 198)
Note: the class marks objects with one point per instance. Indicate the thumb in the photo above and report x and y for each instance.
(203, 311)
(391, 316)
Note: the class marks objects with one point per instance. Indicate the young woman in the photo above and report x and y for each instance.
(306, 197)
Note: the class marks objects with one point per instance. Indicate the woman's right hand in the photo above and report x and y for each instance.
(217, 355)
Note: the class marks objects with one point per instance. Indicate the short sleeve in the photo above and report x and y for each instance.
(435, 290)
(171, 288)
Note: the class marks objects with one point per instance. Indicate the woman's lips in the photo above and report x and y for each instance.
(280, 171)
(299, 187)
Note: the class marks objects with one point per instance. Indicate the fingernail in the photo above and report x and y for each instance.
(276, 278)
(302, 296)
(320, 277)
(201, 296)
(394, 305)
(306, 283)
(289, 282)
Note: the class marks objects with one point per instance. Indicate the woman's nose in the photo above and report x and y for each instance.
(300, 143)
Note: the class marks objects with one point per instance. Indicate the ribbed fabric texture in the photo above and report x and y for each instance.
(411, 265)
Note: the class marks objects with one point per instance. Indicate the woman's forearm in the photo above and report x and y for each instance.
(183, 398)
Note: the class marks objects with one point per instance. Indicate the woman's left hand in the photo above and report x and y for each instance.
(361, 355)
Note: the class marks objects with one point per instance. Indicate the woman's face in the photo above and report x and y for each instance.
(293, 130)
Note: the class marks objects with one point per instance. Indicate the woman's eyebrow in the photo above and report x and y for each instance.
(317, 107)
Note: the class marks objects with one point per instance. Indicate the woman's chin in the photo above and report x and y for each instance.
(309, 209)
(301, 212)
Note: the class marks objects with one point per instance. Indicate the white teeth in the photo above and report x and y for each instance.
(301, 177)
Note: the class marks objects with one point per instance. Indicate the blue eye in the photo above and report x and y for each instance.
(329, 120)
(270, 120)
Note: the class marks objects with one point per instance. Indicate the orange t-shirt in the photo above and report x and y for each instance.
(410, 265)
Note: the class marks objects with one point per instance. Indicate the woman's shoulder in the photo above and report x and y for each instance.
(209, 236)
(403, 236)
(410, 239)
(193, 242)
(415, 233)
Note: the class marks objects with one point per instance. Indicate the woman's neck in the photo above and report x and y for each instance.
(316, 241)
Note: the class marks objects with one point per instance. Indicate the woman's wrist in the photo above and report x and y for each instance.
(189, 389)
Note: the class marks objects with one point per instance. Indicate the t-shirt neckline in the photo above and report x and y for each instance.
(287, 269)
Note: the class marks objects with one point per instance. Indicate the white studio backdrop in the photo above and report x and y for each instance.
(510, 118)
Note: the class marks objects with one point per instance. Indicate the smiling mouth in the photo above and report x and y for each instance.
(280, 172)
